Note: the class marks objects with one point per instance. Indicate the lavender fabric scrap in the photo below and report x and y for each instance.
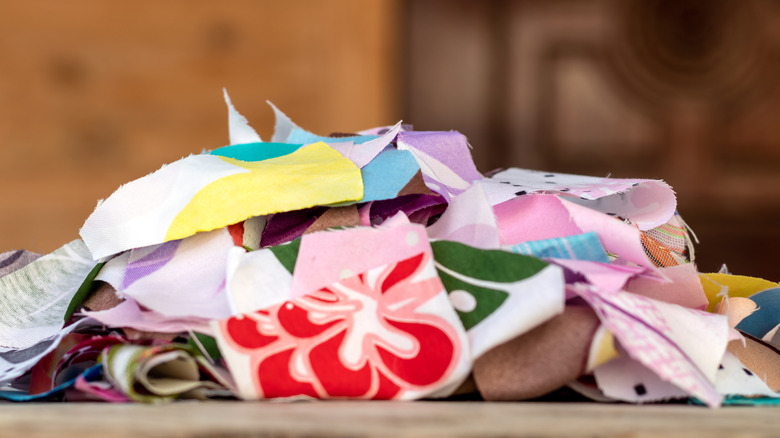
(444, 158)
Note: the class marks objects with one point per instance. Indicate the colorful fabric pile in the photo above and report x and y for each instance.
(380, 265)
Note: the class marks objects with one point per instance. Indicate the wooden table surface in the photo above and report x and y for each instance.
(382, 419)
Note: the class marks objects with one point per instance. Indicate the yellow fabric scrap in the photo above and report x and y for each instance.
(313, 175)
(733, 285)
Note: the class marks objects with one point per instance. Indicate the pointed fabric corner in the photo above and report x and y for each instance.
(206, 192)
(385, 333)
(238, 127)
(360, 149)
(682, 346)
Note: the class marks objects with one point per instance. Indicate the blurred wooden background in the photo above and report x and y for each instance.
(96, 93)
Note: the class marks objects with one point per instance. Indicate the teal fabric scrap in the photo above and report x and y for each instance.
(767, 315)
(256, 151)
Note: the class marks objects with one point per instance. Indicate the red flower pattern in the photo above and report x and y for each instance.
(373, 335)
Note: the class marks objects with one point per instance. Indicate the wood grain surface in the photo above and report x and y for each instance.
(381, 419)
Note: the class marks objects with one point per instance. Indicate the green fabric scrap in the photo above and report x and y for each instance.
(287, 254)
(86, 288)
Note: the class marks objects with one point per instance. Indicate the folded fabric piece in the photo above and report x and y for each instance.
(363, 152)
(646, 203)
(445, 160)
(469, 219)
(385, 333)
(35, 298)
(669, 244)
(206, 192)
(128, 314)
(498, 295)
(22, 396)
(682, 346)
(538, 217)
(608, 278)
(181, 278)
(47, 373)
(539, 361)
(75, 356)
(159, 373)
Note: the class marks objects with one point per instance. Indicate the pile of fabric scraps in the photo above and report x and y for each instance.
(381, 265)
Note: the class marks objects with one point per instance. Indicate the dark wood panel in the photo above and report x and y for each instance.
(680, 90)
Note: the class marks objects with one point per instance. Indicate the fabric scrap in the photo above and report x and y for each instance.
(10, 261)
(206, 192)
(682, 286)
(586, 246)
(767, 314)
(759, 358)
(539, 361)
(35, 298)
(238, 127)
(325, 257)
(669, 244)
(181, 278)
(682, 346)
(646, 203)
(718, 286)
(444, 158)
(538, 217)
(256, 280)
(385, 333)
(129, 314)
(158, 373)
(498, 295)
(469, 219)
